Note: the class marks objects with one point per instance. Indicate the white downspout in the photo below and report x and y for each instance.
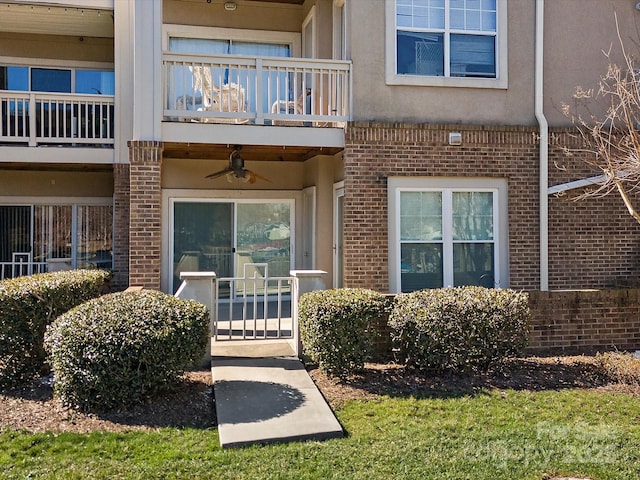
(544, 147)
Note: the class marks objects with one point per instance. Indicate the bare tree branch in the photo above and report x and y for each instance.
(607, 120)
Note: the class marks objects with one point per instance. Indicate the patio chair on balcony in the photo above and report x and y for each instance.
(292, 107)
(229, 97)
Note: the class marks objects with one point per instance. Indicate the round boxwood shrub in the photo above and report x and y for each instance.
(459, 330)
(27, 305)
(122, 348)
(334, 327)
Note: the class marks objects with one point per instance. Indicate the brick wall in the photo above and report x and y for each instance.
(145, 232)
(592, 244)
(121, 199)
(585, 321)
(563, 322)
(375, 151)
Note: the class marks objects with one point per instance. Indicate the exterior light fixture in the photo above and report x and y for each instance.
(230, 6)
(455, 138)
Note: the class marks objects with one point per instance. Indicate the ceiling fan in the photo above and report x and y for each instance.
(236, 169)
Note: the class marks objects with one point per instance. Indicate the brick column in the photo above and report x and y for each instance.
(120, 226)
(145, 228)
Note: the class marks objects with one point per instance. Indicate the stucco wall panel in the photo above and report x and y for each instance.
(55, 183)
(57, 47)
(248, 15)
(374, 100)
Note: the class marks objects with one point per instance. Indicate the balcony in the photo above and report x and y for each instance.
(241, 90)
(35, 118)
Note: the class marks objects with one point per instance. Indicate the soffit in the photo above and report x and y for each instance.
(271, 153)
(55, 20)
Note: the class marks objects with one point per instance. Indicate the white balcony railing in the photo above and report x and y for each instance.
(258, 90)
(59, 118)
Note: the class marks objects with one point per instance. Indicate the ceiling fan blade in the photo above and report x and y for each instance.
(219, 174)
(253, 176)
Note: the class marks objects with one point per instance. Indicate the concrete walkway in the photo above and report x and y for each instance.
(263, 394)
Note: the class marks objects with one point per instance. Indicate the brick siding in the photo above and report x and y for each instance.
(121, 197)
(145, 236)
(592, 243)
(584, 321)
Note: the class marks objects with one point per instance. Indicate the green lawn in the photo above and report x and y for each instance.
(488, 435)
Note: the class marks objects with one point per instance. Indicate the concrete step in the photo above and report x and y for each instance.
(267, 400)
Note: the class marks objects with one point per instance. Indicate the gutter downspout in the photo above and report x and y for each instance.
(544, 147)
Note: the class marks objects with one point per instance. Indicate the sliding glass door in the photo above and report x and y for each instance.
(228, 237)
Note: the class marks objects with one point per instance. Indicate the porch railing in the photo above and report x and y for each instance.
(258, 90)
(56, 118)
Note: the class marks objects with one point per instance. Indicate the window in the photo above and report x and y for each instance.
(42, 237)
(37, 79)
(447, 236)
(446, 42)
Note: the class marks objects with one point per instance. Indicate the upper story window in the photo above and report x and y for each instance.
(64, 80)
(447, 43)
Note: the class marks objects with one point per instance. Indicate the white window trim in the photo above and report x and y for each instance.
(292, 39)
(52, 63)
(310, 20)
(396, 185)
(392, 78)
(339, 30)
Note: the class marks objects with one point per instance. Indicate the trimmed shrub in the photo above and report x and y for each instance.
(459, 330)
(120, 349)
(334, 327)
(27, 305)
(618, 367)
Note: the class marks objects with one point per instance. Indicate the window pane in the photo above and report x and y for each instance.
(420, 13)
(421, 266)
(14, 78)
(95, 81)
(472, 20)
(457, 19)
(489, 5)
(489, 21)
(473, 56)
(202, 239)
(420, 216)
(94, 240)
(50, 80)
(473, 264)
(52, 242)
(420, 53)
(15, 231)
(472, 215)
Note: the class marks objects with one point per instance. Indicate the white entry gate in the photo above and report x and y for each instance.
(254, 306)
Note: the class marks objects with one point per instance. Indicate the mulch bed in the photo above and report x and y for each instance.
(191, 403)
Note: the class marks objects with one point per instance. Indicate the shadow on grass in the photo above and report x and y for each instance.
(532, 373)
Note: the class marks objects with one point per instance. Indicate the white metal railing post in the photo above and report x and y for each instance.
(303, 281)
(198, 286)
(32, 120)
(259, 92)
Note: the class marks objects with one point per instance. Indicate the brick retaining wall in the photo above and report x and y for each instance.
(584, 321)
(567, 322)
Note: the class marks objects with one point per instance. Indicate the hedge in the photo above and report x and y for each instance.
(459, 330)
(334, 327)
(120, 349)
(27, 305)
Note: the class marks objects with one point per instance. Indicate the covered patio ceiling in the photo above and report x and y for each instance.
(51, 19)
(271, 153)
